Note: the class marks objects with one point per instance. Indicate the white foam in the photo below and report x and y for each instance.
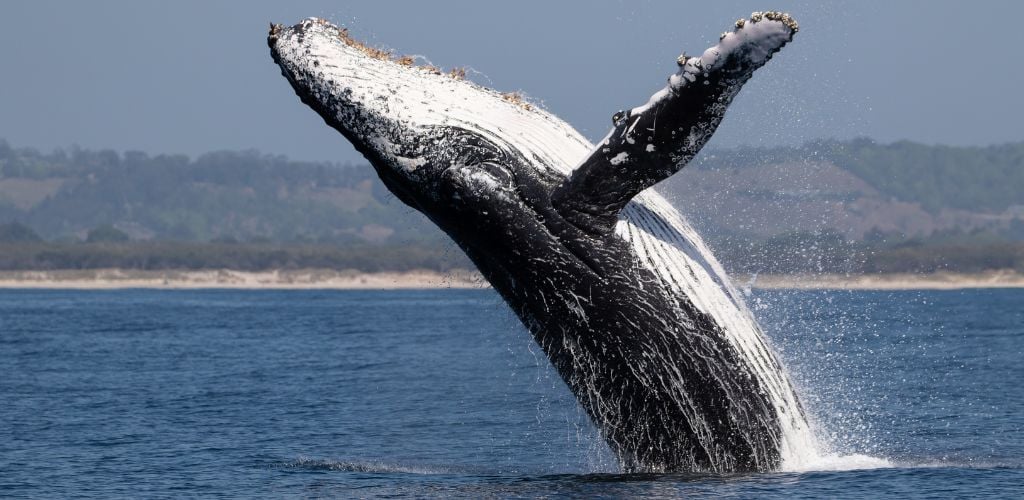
(837, 463)
(369, 467)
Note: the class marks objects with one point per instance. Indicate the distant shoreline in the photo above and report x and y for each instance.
(299, 279)
(103, 279)
(890, 281)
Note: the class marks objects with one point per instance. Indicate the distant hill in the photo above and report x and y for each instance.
(860, 189)
(224, 196)
(857, 189)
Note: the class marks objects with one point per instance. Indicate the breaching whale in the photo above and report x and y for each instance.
(623, 296)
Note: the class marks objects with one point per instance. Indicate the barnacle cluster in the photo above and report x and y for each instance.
(759, 16)
(516, 98)
(387, 55)
(274, 30)
(772, 15)
(374, 52)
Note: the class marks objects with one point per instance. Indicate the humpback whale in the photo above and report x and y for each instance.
(615, 286)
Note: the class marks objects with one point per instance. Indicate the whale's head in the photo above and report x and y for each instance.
(431, 134)
(481, 162)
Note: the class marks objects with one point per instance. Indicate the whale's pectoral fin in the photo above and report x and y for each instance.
(651, 142)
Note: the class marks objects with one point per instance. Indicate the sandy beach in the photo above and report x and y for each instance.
(224, 278)
(901, 281)
(354, 280)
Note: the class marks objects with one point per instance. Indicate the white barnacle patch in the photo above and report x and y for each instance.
(619, 158)
(410, 164)
(711, 55)
(650, 148)
(483, 178)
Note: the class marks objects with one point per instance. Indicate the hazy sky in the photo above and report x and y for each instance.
(195, 76)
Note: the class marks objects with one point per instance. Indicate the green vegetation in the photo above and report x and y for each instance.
(801, 252)
(986, 179)
(80, 209)
(18, 233)
(958, 258)
(241, 195)
(827, 252)
(106, 234)
(794, 252)
(968, 178)
(237, 256)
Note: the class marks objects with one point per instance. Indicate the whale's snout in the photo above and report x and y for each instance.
(414, 122)
(358, 90)
(326, 69)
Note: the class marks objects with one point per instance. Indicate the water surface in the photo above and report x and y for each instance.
(442, 392)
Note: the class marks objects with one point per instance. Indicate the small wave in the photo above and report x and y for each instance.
(369, 467)
(960, 463)
(855, 461)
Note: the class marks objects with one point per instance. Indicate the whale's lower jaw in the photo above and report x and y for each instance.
(627, 302)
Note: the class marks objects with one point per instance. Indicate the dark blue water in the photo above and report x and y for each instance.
(428, 393)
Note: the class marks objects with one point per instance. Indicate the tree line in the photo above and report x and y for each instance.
(247, 195)
(790, 253)
(78, 209)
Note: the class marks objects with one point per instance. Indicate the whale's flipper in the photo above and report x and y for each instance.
(651, 142)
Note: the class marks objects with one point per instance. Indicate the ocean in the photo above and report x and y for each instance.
(260, 393)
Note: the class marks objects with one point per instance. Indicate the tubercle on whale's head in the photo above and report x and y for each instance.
(413, 122)
(346, 83)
